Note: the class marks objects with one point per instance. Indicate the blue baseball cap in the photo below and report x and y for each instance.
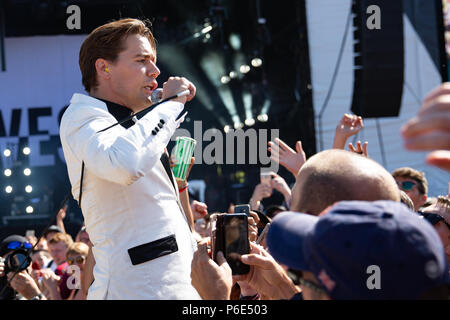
(362, 250)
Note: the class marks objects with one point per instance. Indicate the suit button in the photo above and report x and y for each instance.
(157, 129)
(162, 121)
(154, 132)
(160, 125)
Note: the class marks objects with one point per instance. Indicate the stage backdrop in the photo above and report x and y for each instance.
(326, 25)
(41, 76)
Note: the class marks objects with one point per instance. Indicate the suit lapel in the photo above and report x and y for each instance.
(120, 112)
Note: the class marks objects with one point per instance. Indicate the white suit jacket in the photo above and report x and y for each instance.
(143, 246)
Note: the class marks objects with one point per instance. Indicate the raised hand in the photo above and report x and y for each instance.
(348, 126)
(175, 85)
(213, 281)
(360, 150)
(279, 184)
(261, 191)
(430, 129)
(287, 157)
(199, 209)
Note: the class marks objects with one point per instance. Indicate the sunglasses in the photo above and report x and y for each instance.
(406, 185)
(77, 259)
(433, 218)
(311, 285)
(17, 244)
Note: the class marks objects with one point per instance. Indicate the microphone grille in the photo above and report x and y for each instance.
(157, 95)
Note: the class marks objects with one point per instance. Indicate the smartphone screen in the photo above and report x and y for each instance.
(236, 242)
(242, 208)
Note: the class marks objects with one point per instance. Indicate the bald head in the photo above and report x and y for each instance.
(336, 175)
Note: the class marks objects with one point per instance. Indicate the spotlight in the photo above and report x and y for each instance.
(7, 152)
(26, 151)
(28, 189)
(249, 122)
(225, 79)
(27, 171)
(29, 209)
(256, 62)
(226, 129)
(238, 125)
(233, 74)
(207, 36)
(8, 189)
(7, 172)
(244, 68)
(207, 29)
(263, 117)
(235, 41)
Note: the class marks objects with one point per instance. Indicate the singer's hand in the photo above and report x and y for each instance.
(175, 85)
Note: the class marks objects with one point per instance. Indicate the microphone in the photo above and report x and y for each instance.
(158, 92)
(157, 95)
(154, 104)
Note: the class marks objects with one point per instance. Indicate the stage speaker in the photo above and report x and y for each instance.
(378, 58)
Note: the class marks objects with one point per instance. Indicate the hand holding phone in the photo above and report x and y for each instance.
(231, 237)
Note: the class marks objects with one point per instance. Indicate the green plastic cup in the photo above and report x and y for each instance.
(183, 151)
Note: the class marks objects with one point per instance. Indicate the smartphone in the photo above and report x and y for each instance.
(231, 237)
(266, 177)
(242, 208)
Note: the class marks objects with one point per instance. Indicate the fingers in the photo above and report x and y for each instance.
(298, 147)
(430, 122)
(440, 159)
(221, 261)
(365, 149)
(429, 141)
(358, 147)
(274, 148)
(257, 260)
(438, 91)
(283, 145)
(190, 166)
(202, 252)
(351, 148)
(176, 85)
(255, 216)
(192, 89)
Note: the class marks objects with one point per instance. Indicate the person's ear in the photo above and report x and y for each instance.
(103, 68)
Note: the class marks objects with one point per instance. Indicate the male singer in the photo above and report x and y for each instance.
(143, 245)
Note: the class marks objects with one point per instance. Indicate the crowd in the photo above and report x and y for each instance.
(342, 216)
(347, 228)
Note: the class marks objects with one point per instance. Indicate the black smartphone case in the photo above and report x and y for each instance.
(237, 267)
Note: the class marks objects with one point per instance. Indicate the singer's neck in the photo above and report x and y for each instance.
(106, 95)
